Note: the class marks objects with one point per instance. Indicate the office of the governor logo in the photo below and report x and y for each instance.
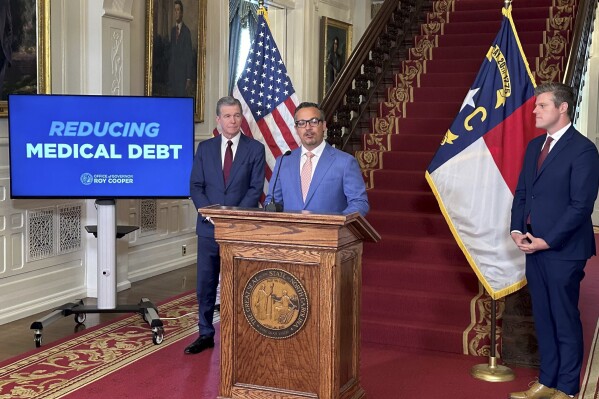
(275, 303)
(86, 179)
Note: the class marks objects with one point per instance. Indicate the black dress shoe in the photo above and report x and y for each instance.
(199, 345)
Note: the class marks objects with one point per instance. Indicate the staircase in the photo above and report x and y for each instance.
(418, 289)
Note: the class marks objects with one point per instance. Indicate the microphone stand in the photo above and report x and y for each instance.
(274, 206)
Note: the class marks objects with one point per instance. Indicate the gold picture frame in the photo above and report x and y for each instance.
(164, 76)
(332, 60)
(29, 71)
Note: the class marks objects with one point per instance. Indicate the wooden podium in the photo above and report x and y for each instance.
(290, 303)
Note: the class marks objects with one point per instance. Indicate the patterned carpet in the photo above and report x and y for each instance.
(61, 368)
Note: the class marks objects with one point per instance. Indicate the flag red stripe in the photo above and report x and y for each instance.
(285, 131)
(290, 105)
(507, 142)
(268, 173)
(270, 141)
(246, 128)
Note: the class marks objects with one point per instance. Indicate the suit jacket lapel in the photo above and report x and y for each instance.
(240, 156)
(557, 148)
(216, 159)
(324, 163)
(294, 162)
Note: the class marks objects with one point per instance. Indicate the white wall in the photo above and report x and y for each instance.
(35, 272)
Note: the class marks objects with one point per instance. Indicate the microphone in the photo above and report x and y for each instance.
(272, 205)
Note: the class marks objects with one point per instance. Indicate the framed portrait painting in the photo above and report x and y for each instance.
(24, 49)
(176, 50)
(335, 44)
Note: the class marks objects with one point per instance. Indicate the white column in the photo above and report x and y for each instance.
(106, 254)
(105, 62)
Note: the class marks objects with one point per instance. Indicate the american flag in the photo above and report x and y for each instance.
(267, 97)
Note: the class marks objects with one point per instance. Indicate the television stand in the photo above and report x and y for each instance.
(107, 232)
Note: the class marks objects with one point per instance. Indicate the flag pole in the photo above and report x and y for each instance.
(262, 10)
(492, 372)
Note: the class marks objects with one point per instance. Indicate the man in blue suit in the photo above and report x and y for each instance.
(332, 181)
(551, 223)
(227, 170)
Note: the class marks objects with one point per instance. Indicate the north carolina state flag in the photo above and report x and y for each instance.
(475, 170)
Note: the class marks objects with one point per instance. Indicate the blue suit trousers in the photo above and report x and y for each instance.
(208, 271)
(554, 287)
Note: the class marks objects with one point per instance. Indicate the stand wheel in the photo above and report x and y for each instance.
(37, 338)
(80, 318)
(158, 335)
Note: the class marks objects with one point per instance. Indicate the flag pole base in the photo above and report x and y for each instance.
(492, 372)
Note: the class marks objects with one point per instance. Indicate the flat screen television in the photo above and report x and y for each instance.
(79, 146)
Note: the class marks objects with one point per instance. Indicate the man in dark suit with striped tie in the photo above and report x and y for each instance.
(227, 170)
(551, 223)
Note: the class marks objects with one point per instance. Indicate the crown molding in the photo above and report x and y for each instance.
(342, 5)
(118, 9)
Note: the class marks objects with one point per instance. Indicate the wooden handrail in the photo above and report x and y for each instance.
(352, 68)
(380, 49)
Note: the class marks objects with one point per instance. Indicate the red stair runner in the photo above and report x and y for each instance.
(418, 289)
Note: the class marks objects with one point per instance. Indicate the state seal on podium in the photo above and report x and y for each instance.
(275, 303)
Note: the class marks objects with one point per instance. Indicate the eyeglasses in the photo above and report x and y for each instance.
(312, 122)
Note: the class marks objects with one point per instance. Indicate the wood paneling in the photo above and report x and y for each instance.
(322, 253)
